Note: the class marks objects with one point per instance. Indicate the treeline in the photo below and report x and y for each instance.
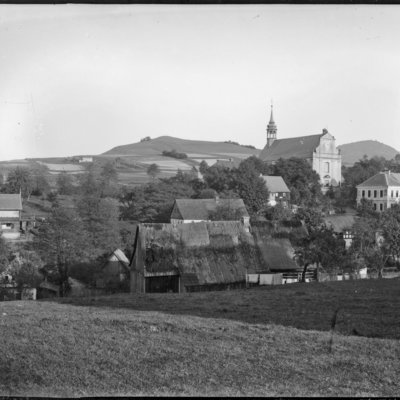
(174, 154)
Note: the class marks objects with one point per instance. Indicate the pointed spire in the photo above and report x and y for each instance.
(271, 120)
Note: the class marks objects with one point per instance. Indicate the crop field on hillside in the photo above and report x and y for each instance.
(53, 349)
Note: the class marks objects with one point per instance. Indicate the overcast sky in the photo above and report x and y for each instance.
(81, 79)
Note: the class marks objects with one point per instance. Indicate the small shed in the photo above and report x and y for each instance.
(115, 271)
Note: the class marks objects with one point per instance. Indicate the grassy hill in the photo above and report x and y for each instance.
(221, 343)
(352, 152)
(193, 148)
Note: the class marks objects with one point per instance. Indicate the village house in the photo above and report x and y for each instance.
(192, 257)
(278, 190)
(382, 189)
(10, 216)
(200, 210)
(319, 151)
(86, 159)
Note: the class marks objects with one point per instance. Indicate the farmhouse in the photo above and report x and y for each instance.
(278, 190)
(382, 189)
(192, 256)
(319, 150)
(201, 210)
(342, 225)
(10, 215)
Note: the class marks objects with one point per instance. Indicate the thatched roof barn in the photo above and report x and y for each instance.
(169, 257)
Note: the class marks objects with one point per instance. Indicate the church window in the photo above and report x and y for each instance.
(326, 167)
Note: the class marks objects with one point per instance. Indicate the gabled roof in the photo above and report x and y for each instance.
(382, 179)
(200, 209)
(10, 201)
(275, 184)
(121, 256)
(301, 147)
(202, 253)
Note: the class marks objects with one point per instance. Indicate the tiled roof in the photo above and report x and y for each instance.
(382, 179)
(275, 184)
(301, 147)
(200, 209)
(10, 201)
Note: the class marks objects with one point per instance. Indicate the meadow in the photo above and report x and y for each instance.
(252, 342)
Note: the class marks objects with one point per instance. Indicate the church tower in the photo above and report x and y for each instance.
(271, 130)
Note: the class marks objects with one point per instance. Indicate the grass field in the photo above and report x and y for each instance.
(195, 344)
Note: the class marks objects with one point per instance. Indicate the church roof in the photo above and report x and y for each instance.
(382, 179)
(301, 147)
(200, 209)
(10, 201)
(275, 184)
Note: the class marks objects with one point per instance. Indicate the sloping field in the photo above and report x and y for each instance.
(157, 145)
(50, 349)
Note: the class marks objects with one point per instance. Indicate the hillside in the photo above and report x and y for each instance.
(352, 152)
(205, 344)
(193, 148)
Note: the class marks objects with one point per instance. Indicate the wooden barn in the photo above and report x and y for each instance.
(192, 257)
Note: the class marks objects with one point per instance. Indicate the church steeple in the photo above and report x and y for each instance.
(271, 129)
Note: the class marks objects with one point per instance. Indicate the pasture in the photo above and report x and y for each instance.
(216, 343)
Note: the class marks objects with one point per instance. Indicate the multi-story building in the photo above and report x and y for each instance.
(383, 189)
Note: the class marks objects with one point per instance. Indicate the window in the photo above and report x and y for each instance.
(381, 193)
(397, 193)
(381, 206)
(374, 206)
(326, 167)
(385, 192)
(375, 194)
(369, 193)
(392, 193)
(363, 193)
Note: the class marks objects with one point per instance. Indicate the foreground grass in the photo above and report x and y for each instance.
(368, 308)
(62, 350)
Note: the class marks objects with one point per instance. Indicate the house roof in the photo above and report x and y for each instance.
(382, 179)
(202, 253)
(121, 256)
(301, 147)
(275, 184)
(279, 255)
(340, 223)
(200, 209)
(10, 201)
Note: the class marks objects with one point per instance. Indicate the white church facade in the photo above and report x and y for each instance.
(319, 150)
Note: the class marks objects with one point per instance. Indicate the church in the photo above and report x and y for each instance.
(319, 150)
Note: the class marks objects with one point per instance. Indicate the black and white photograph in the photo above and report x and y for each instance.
(199, 200)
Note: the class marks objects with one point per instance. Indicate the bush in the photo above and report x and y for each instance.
(174, 154)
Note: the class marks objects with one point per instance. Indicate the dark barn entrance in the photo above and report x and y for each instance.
(162, 284)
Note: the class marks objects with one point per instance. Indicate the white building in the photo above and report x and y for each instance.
(383, 189)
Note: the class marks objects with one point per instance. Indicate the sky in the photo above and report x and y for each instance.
(81, 79)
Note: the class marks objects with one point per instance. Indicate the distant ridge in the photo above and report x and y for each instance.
(157, 145)
(352, 152)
